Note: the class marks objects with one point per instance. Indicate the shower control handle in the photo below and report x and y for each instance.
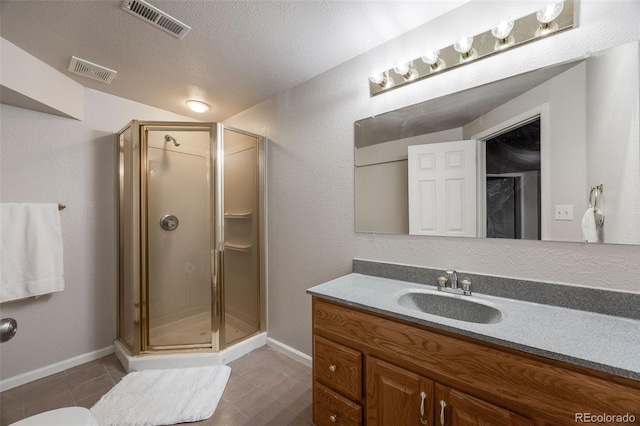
(169, 222)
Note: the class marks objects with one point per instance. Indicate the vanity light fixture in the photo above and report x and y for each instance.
(507, 34)
(197, 106)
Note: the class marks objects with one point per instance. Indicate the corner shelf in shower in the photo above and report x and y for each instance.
(238, 247)
(246, 215)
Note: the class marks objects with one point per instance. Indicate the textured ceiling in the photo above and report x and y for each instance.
(237, 53)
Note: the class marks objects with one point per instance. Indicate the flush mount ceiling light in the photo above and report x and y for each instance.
(557, 16)
(197, 106)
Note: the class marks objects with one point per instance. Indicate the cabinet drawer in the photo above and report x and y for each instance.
(330, 408)
(338, 367)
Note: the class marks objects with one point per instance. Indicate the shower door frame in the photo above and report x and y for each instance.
(216, 163)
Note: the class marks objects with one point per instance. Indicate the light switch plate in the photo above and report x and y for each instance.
(564, 212)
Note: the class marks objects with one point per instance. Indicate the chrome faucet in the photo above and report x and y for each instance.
(452, 280)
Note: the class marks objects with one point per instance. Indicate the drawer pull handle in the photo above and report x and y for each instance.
(442, 406)
(333, 418)
(333, 368)
(423, 396)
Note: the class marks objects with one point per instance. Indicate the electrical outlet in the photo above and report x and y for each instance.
(564, 212)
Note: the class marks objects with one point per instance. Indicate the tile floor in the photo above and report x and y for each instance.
(265, 388)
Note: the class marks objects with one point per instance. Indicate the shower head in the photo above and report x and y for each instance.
(169, 138)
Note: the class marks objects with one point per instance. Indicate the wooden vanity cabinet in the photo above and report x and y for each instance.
(374, 370)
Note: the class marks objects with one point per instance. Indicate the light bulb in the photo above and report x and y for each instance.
(502, 31)
(463, 45)
(406, 70)
(549, 13)
(377, 78)
(401, 69)
(431, 57)
(381, 79)
(197, 106)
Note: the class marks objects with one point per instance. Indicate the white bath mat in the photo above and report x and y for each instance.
(163, 397)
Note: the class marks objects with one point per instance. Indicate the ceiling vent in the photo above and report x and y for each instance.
(91, 70)
(156, 17)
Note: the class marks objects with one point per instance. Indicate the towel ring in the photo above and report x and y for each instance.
(595, 191)
(593, 195)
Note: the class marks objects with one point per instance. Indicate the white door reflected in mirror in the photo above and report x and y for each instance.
(442, 189)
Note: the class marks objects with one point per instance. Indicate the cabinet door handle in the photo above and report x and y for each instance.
(333, 368)
(423, 396)
(442, 405)
(333, 418)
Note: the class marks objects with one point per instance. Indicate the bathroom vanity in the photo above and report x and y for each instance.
(378, 360)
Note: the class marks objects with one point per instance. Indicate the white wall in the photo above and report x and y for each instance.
(311, 176)
(613, 149)
(46, 158)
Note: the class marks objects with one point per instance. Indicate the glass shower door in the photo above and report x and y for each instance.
(241, 236)
(178, 227)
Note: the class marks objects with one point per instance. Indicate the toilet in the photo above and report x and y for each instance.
(69, 416)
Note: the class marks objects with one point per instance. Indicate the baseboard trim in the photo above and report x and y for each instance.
(39, 373)
(225, 357)
(183, 360)
(289, 351)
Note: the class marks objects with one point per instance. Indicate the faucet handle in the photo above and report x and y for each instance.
(466, 286)
(442, 281)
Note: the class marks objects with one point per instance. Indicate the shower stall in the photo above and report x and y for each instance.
(191, 240)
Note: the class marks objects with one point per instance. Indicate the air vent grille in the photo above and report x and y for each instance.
(156, 17)
(91, 70)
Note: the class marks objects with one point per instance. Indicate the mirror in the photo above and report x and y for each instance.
(543, 148)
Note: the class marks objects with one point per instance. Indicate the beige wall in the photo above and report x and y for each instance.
(46, 158)
(311, 177)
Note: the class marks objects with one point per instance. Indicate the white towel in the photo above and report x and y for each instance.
(589, 228)
(30, 250)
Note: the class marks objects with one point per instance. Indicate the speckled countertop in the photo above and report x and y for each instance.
(602, 342)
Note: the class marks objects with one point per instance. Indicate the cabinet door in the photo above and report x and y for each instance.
(454, 408)
(397, 397)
